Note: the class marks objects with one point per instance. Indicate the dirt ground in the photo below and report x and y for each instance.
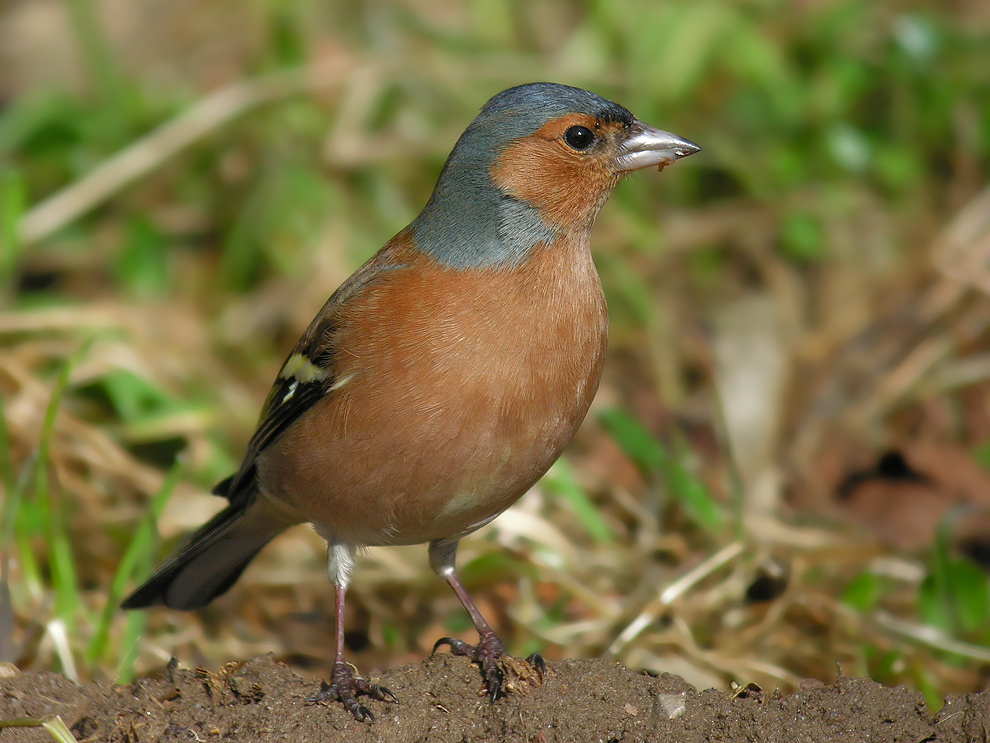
(581, 700)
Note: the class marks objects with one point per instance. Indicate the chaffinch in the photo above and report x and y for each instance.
(444, 377)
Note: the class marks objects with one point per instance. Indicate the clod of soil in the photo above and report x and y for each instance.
(440, 700)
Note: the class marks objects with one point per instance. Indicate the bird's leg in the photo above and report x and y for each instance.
(344, 686)
(489, 653)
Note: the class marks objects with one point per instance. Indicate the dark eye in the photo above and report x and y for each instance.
(579, 137)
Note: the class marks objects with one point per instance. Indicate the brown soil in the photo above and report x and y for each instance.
(581, 700)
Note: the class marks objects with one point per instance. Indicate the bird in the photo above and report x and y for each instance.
(444, 377)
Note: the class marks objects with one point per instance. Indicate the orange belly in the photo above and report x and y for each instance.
(457, 391)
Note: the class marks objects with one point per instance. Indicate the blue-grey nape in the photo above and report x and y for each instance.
(468, 222)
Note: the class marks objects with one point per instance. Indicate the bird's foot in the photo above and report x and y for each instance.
(503, 673)
(344, 687)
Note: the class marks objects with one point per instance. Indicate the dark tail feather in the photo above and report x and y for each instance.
(210, 561)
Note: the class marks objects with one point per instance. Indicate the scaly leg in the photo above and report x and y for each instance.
(489, 653)
(344, 686)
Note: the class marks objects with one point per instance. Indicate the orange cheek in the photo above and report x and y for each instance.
(567, 189)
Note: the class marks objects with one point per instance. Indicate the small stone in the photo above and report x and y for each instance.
(674, 704)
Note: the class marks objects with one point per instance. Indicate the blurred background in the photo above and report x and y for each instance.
(788, 463)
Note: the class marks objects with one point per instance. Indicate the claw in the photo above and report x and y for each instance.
(457, 647)
(536, 660)
(493, 679)
(490, 654)
(326, 692)
(385, 691)
(344, 687)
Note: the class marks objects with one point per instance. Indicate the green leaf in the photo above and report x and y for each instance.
(634, 440)
(694, 37)
(954, 595)
(142, 266)
(863, 592)
(972, 597)
(897, 166)
(801, 237)
(955, 598)
(930, 609)
(650, 455)
(693, 497)
(11, 209)
(560, 481)
(981, 455)
(133, 398)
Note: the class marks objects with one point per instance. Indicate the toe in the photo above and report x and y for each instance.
(345, 688)
(493, 680)
(385, 694)
(457, 647)
(325, 694)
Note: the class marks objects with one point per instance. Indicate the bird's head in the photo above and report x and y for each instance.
(538, 162)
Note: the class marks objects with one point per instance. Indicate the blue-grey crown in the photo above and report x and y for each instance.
(534, 104)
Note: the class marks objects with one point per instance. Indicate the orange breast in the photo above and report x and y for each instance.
(458, 390)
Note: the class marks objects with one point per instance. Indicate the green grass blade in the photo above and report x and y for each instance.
(52, 512)
(142, 546)
(560, 481)
(638, 444)
(6, 478)
(106, 74)
(955, 595)
(11, 209)
(54, 725)
(651, 456)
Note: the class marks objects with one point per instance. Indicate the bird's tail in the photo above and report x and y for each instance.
(212, 559)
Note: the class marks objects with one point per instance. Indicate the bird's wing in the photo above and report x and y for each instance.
(302, 381)
(307, 376)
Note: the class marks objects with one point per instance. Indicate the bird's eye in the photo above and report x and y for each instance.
(579, 137)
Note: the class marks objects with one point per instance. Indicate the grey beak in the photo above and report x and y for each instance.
(647, 147)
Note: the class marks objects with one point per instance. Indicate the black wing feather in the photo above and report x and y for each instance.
(286, 402)
(290, 398)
